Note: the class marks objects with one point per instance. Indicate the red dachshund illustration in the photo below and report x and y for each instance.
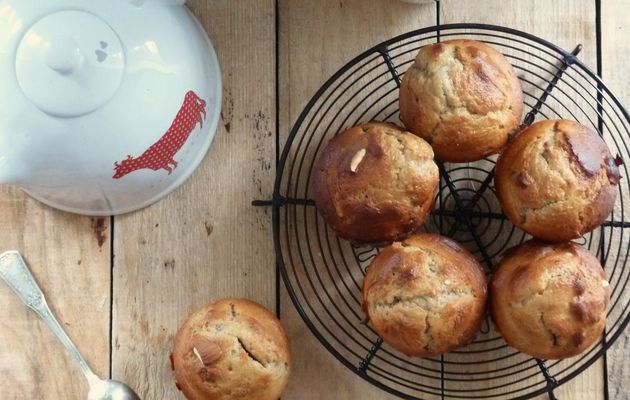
(161, 154)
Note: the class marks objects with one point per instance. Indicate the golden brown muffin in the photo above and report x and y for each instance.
(232, 349)
(425, 296)
(375, 183)
(557, 180)
(463, 97)
(549, 300)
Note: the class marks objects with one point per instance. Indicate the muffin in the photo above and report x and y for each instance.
(231, 349)
(557, 180)
(549, 300)
(425, 296)
(375, 183)
(463, 97)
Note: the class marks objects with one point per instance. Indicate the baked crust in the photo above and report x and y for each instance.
(557, 180)
(463, 97)
(232, 349)
(375, 183)
(549, 300)
(425, 296)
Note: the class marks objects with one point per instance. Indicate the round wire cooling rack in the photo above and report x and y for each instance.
(323, 274)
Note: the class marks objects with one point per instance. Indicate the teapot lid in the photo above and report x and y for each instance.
(69, 63)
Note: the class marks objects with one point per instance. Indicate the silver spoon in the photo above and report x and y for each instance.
(15, 273)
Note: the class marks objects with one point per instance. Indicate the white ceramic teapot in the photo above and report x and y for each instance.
(105, 105)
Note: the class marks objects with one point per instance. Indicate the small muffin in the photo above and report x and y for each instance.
(463, 97)
(425, 296)
(375, 183)
(557, 180)
(232, 349)
(549, 300)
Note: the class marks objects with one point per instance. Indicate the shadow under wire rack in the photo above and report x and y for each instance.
(323, 274)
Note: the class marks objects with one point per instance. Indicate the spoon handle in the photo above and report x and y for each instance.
(15, 273)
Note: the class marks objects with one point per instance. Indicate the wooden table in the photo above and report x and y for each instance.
(123, 285)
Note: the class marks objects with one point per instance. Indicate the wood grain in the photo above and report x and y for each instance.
(565, 23)
(316, 39)
(615, 47)
(69, 257)
(204, 241)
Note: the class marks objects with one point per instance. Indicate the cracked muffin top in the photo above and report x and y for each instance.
(557, 180)
(375, 183)
(425, 296)
(231, 350)
(549, 300)
(463, 97)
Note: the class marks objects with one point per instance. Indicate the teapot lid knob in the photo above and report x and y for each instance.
(69, 63)
(64, 55)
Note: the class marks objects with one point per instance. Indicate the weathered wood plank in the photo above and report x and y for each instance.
(204, 241)
(70, 259)
(615, 48)
(564, 23)
(316, 39)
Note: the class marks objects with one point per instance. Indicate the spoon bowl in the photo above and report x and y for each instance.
(110, 390)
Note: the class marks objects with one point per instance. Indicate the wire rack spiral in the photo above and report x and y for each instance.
(323, 274)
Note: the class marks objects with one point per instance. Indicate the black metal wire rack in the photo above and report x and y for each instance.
(323, 274)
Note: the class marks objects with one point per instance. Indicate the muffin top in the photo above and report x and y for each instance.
(557, 180)
(374, 183)
(425, 296)
(549, 300)
(231, 349)
(463, 97)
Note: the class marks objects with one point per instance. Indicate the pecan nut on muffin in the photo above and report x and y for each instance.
(232, 349)
(375, 183)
